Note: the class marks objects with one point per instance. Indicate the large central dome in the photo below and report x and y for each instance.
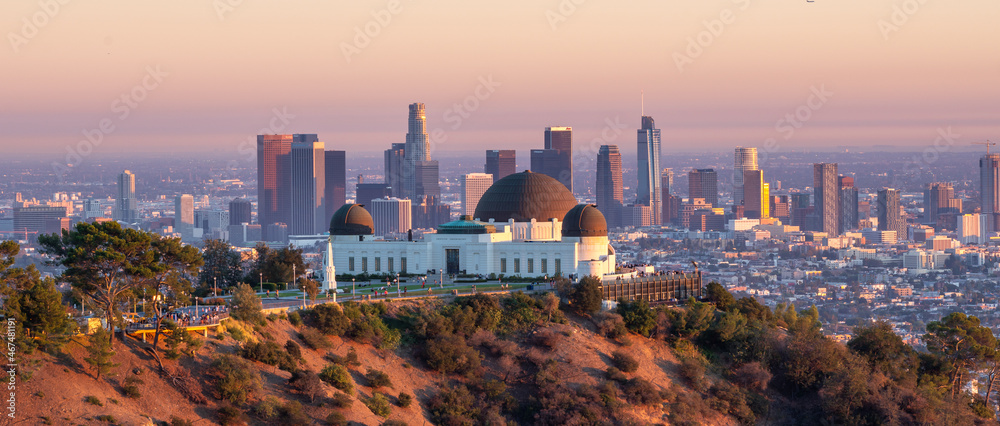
(525, 196)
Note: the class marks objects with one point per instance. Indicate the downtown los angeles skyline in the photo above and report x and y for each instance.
(719, 74)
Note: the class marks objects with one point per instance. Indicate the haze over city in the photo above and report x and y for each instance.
(895, 75)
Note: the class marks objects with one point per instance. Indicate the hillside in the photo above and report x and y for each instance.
(60, 385)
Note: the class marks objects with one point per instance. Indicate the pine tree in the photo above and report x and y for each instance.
(100, 352)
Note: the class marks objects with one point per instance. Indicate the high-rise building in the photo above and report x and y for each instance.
(184, 215)
(308, 186)
(416, 152)
(848, 204)
(636, 215)
(274, 180)
(336, 183)
(37, 219)
(500, 163)
(671, 204)
(426, 179)
(989, 189)
(428, 212)
(125, 205)
(889, 216)
(827, 196)
(366, 192)
(781, 208)
(610, 196)
(395, 161)
(559, 165)
(745, 160)
(756, 202)
(474, 185)
(240, 211)
(391, 216)
(704, 184)
(648, 151)
(969, 229)
(940, 205)
(92, 209)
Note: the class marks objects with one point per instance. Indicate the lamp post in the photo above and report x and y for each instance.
(397, 284)
(215, 286)
(352, 288)
(261, 282)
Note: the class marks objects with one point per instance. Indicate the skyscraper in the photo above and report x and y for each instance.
(704, 184)
(473, 187)
(395, 160)
(366, 192)
(308, 186)
(610, 196)
(671, 203)
(826, 192)
(756, 201)
(500, 163)
(989, 188)
(889, 216)
(239, 211)
(391, 216)
(559, 163)
(417, 150)
(274, 179)
(744, 160)
(848, 204)
(125, 205)
(184, 215)
(336, 184)
(648, 151)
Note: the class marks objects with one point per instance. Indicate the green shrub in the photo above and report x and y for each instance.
(638, 317)
(329, 319)
(292, 414)
(177, 421)
(351, 359)
(341, 400)
(450, 354)
(90, 399)
(640, 391)
(624, 362)
(379, 404)
(295, 319)
(377, 379)
(338, 377)
(236, 379)
(293, 349)
(307, 383)
(314, 339)
(269, 353)
(267, 408)
(693, 371)
(246, 305)
(614, 374)
(336, 419)
(405, 399)
(229, 415)
(130, 387)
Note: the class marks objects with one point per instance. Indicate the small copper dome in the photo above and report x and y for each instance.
(352, 219)
(585, 220)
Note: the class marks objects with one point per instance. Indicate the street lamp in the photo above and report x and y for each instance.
(352, 288)
(215, 286)
(261, 282)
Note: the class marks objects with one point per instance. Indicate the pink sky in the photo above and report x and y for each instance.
(225, 75)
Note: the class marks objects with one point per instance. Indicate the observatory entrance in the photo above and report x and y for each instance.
(452, 260)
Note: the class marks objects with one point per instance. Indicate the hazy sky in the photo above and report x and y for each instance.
(897, 71)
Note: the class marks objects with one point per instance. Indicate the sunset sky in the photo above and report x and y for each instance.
(228, 68)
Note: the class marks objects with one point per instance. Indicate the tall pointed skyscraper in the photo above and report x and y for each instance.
(420, 173)
(609, 184)
(745, 160)
(125, 205)
(648, 150)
